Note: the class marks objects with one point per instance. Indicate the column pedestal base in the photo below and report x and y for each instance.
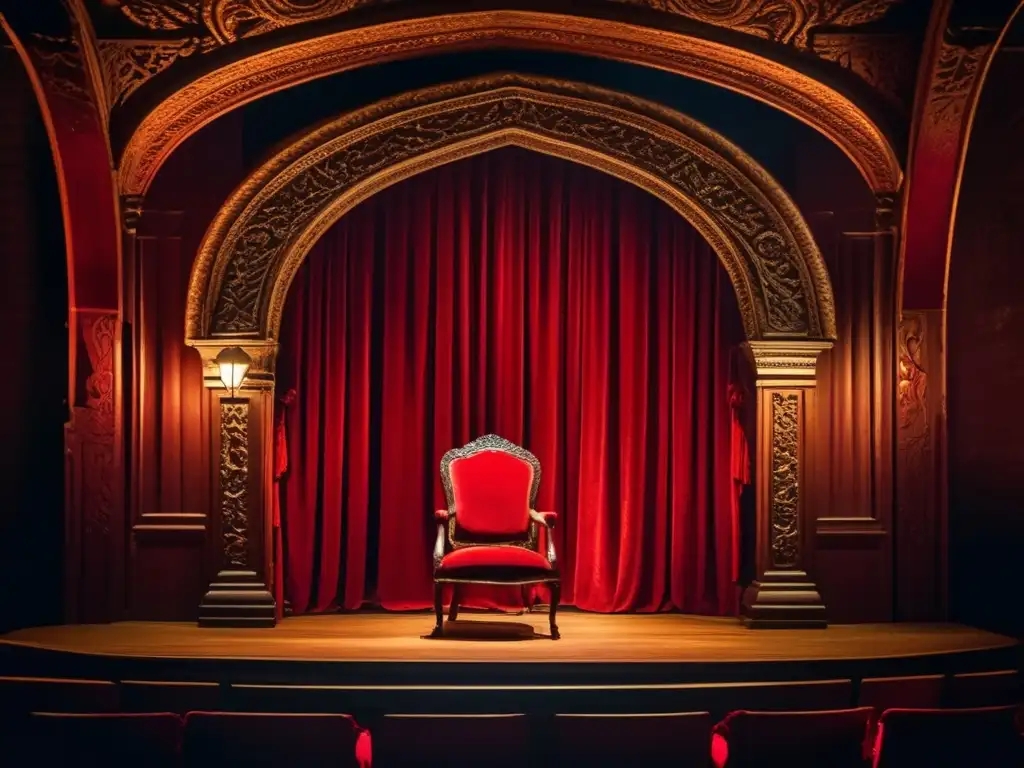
(783, 601)
(237, 599)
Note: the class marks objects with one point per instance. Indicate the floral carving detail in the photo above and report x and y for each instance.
(127, 65)
(266, 231)
(783, 21)
(956, 72)
(885, 62)
(234, 481)
(785, 480)
(912, 394)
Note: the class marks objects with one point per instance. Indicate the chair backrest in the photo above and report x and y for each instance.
(152, 740)
(494, 741)
(986, 736)
(677, 739)
(491, 485)
(923, 691)
(834, 738)
(985, 689)
(303, 741)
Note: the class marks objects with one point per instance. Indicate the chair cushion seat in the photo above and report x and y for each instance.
(514, 559)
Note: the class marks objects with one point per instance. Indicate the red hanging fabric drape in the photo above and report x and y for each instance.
(549, 303)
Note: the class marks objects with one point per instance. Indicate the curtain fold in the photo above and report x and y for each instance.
(556, 306)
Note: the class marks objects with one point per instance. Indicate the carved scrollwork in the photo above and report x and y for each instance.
(956, 72)
(234, 481)
(783, 21)
(912, 394)
(261, 236)
(784, 519)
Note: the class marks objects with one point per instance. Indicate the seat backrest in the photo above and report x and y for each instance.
(491, 484)
(836, 738)
(677, 739)
(302, 741)
(494, 741)
(168, 696)
(153, 740)
(985, 736)
(924, 691)
(985, 689)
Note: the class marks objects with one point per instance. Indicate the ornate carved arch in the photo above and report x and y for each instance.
(261, 236)
(780, 85)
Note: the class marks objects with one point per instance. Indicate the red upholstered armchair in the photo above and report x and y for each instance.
(490, 532)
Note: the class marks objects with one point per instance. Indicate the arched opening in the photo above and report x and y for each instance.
(262, 235)
(522, 294)
(34, 315)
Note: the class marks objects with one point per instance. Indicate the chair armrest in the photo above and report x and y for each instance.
(439, 543)
(441, 515)
(547, 519)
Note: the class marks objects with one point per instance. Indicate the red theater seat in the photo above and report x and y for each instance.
(492, 741)
(923, 692)
(22, 695)
(832, 738)
(986, 737)
(985, 689)
(298, 741)
(57, 739)
(676, 739)
(163, 696)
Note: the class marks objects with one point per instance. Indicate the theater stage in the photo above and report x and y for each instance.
(386, 651)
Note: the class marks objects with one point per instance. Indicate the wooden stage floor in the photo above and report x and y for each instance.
(590, 638)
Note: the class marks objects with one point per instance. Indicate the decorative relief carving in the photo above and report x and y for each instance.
(127, 64)
(202, 26)
(94, 422)
(912, 393)
(259, 229)
(784, 518)
(196, 104)
(61, 67)
(783, 21)
(956, 71)
(886, 62)
(234, 481)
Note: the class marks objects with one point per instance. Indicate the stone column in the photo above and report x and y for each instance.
(783, 594)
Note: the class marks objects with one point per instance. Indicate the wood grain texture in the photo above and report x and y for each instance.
(585, 638)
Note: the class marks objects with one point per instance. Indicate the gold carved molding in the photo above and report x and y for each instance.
(790, 22)
(237, 83)
(784, 481)
(234, 480)
(261, 236)
(786, 363)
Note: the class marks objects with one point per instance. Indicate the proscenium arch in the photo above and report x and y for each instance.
(818, 105)
(261, 236)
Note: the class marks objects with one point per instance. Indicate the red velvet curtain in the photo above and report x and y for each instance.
(546, 302)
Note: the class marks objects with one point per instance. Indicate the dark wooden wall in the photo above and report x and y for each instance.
(985, 326)
(33, 359)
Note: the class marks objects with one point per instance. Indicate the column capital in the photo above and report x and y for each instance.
(261, 372)
(131, 212)
(786, 363)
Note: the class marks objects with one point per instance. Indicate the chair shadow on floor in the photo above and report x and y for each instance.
(488, 631)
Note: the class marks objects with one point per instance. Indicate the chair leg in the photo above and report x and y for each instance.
(453, 610)
(438, 609)
(556, 594)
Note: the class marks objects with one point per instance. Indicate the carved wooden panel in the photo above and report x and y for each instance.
(784, 520)
(234, 481)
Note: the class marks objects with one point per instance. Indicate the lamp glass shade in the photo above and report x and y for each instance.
(234, 364)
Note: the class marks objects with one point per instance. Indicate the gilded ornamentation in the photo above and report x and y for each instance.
(61, 67)
(127, 64)
(261, 236)
(234, 84)
(785, 480)
(956, 72)
(885, 62)
(234, 481)
(783, 21)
